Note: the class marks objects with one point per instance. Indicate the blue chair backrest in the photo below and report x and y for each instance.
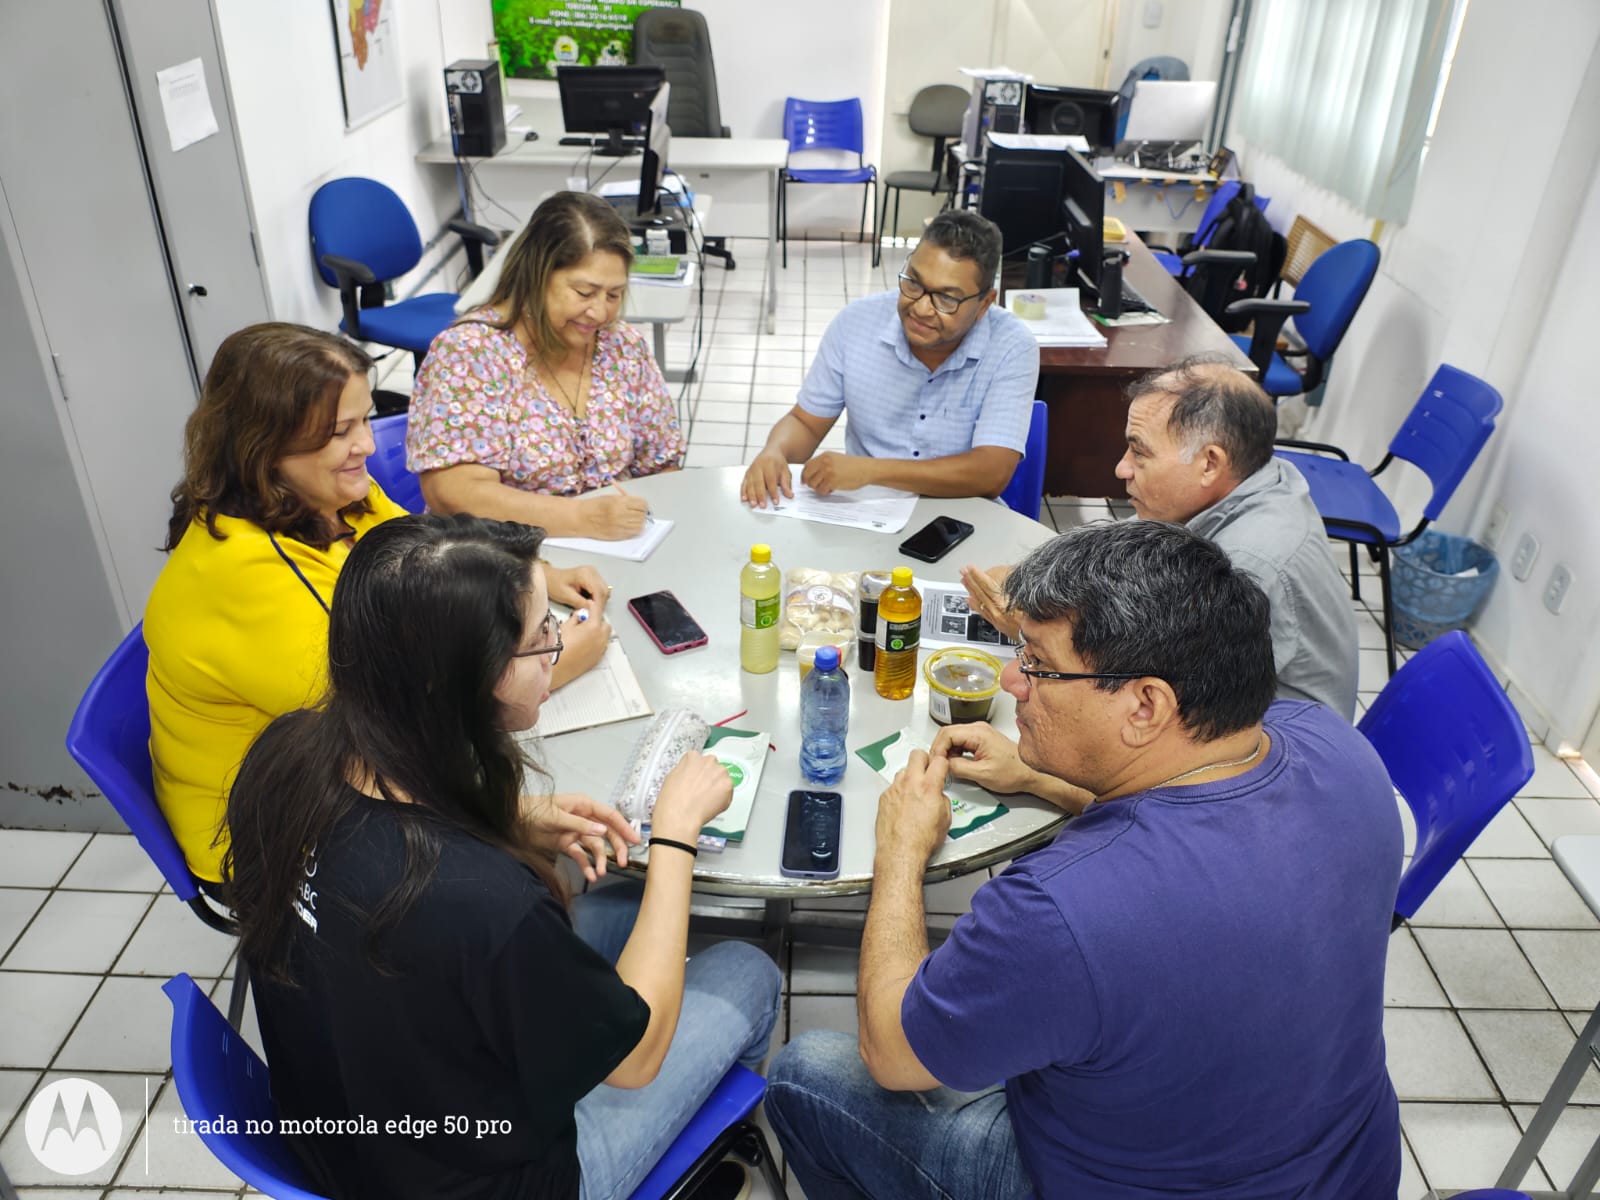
(734, 1098)
(1455, 750)
(219, 1075)
(1445, 429)
(1023, 493)
(1225, 192)
(110, 738)
(822, 125)
(388, 463)
(1334, 286)
(364, 220)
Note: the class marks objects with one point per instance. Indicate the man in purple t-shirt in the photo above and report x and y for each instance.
(1182, 994)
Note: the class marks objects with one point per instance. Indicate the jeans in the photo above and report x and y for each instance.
(731, 997)
(845, 1138)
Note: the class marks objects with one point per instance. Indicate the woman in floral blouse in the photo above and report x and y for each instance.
(543, 394)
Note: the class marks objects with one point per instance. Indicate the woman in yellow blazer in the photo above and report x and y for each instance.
(274, 493)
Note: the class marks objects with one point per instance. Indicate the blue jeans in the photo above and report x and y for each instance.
(731, 997)
(846, 1138)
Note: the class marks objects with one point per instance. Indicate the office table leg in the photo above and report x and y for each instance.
(772, 252)
(1550, 1110)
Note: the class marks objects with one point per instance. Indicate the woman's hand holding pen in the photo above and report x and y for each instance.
(616, 518)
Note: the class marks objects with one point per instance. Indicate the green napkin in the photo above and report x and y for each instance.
(970, 805)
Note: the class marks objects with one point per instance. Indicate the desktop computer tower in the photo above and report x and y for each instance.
(1002, 106)
(477, 110)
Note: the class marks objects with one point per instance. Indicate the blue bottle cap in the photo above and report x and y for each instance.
(827, 658)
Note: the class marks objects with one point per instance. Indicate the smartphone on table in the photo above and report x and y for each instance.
(811, 835)
(667, 622)
(936, 539)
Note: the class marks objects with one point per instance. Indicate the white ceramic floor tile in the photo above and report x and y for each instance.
(766, 393)
(1482, 968)
(1552, 777)
(1568, 961)
(822, 1012)
(172, 939)
(37, 858)
(177, 1158)
(722, 373)
(68, 1194)
(16, 1089)
(1412, 1183)
(1408, 981)
(1463, 1146)
(17, 906)
(1524, 1050)
(40, 1009)
(717, 433)
(1430, 1057)
(114, 862)
(25, 1170)
(78, 931)
(953, 895)
(728, 411)
(774, 375)
(1564, 1150)
(163, 1194)
(1551, 819)
(1533, 895)
(127, 1027)
(829, 970)
(1509, 836)
(1458, 900)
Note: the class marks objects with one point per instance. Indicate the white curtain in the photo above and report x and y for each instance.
(1341, 90)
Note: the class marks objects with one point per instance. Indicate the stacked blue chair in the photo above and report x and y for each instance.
(1442, 435)
(1226, 191)
(218, 1075)
(1456, 751)
(110, 738)
(1026, 489)
(826, 125)
(388, 463)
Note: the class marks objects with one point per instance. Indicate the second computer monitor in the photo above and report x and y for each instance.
(1086, 112)
(1170, 111)
(614, 101)
(658, 137)
(1083, 214)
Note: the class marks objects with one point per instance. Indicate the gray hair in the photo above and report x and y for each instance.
(963, 234)
(1214, 402)
(1149, 598)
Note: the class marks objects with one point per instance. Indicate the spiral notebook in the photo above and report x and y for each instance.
(634, 549)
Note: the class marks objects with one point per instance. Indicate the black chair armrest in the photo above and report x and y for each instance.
(474, 238)
(1269, 316)
(1154, 246)
(351, 276)
(1323, 447)
(1238, 258)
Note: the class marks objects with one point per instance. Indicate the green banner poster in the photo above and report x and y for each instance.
(537, 36)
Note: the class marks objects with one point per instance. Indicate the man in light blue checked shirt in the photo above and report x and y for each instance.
(938, 382)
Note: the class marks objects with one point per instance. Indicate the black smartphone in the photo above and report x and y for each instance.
(936, 539)
(811, 835)
(667, 622)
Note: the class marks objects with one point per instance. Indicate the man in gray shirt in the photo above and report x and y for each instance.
(1199, 454)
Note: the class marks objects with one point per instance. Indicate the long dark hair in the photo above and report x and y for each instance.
(272, 390)
(426, 615)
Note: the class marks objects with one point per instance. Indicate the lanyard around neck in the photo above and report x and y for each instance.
(298, 573)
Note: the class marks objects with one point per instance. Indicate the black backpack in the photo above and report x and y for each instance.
(1239, 226)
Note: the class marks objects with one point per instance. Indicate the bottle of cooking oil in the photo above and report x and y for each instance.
(894, 670)
(759, 585)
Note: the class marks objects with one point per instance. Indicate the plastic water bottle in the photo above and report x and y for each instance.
(759, 585)
(824, 717)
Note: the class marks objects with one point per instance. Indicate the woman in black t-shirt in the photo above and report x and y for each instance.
(434, 1024)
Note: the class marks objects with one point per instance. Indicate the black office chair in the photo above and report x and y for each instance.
(677, 41)
(936, 112)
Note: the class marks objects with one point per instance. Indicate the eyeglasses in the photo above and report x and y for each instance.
(942, 302)
(1026, 666)
(547, 629)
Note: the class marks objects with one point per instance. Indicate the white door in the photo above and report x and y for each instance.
(200, 190)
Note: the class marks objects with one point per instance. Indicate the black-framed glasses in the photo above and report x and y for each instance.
(547, 628)
(942, 302)
(1025, 667)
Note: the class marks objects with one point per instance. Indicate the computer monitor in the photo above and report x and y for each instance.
(1086, 112)
(657, 139)
(1022, 194)
(1083, 215)
(1169, 111)
(614, 101)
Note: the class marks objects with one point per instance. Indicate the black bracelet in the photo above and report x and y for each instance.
(692, 851)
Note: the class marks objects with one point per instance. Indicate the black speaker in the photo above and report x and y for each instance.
(477, 112)
(1085, 112)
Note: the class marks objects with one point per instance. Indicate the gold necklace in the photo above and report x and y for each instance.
(1232, 762)
(549, 373)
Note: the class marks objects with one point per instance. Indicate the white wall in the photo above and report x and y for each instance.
(1192, 30)
(1494, 272)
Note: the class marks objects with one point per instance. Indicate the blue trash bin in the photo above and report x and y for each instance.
(1438, 583)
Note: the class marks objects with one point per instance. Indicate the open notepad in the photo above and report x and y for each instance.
(635, 549)
(610, 692)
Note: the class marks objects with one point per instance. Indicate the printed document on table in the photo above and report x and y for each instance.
(1041, 141)
(610, 692)
(635, 549)
(880, 509)
(1063, 323)
(948, 620)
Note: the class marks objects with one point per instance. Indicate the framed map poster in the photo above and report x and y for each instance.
(369, 58)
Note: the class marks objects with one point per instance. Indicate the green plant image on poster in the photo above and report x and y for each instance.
(537, 36)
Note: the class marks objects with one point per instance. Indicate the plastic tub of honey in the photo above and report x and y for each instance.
(961, 685)
(805, 653)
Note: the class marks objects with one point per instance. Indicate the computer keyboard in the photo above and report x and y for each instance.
(1132, 301)
(575, 140)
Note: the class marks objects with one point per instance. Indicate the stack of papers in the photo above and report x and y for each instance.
(610, 692)
(634, 549)
(881, 509)
(1063, 323)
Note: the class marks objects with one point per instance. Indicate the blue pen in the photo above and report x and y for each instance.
(583, 615)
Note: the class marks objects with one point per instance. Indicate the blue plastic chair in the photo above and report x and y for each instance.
(218, 1074)
(1226, 191)
(1324, 304)
(1443, 434)
(1455, 750)
(110, 739)
(362, 236)
(826, 125)
(387, 463)
(1026, 489)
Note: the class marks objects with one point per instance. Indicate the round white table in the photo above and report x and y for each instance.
(700, 562)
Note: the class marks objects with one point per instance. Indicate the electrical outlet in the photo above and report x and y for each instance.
(1555, 590)
(1522, 560)
(1499, 518)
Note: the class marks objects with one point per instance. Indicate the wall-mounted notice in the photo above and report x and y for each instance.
(186, 103)
(537, 36)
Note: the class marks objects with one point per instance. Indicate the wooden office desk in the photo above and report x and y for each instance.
(1084, 387)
